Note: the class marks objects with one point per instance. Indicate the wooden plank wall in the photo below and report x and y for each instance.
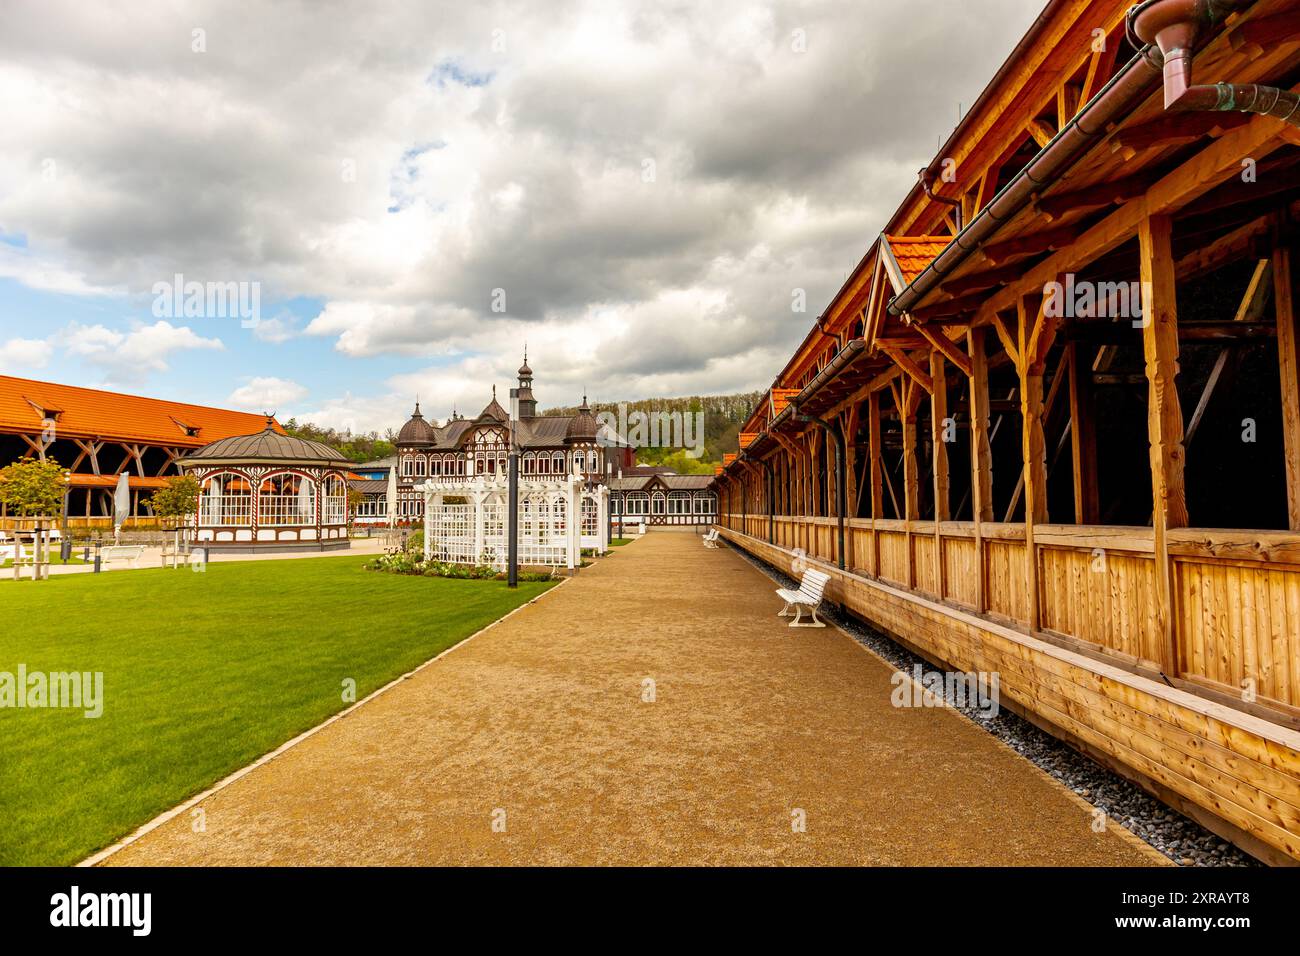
(1235, 772)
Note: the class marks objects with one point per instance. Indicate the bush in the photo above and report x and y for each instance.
(415, 541)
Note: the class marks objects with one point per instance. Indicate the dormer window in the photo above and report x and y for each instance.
(191, 431)
(47, 413)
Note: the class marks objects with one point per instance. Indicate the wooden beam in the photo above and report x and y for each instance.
(1009, 342)
(1032, 244)
(986, 279)
(981, 456)
(1288, 351)
(1123, 333)
(1090, 197)
(911, 476)
(938, 425)
(1083, 442)
(914, 371)
(1252, 307)
(1169, 129)
(873, 436)
(1029, 312)
(1164, 419)
(963, 305)
(1251, 37)
(1040, 131)
(1207, 169)
(949, 349)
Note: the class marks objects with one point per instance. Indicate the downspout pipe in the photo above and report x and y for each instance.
(1175, 26)
(927, 183)
(841, 456)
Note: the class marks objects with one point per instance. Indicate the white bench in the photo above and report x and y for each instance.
(122, 552)
(808, 596)
(711, 539)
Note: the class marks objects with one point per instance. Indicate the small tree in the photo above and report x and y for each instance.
(178, 500)
(31, 487)
(355, 500)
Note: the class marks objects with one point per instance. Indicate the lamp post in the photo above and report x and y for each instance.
(512, 496)
(65, 545)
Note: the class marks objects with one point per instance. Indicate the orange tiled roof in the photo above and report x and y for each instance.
(91, 413)
(911, 254)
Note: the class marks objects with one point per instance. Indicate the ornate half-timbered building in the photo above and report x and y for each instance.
(465, 447)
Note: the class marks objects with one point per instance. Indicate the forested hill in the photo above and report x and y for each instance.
(723, 416)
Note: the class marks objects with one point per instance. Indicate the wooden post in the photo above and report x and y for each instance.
(1164, 418)
(877, 482)
(1083, 442)
(911, 476)
(938, 426)
(1036, 331)
(1288, 354)
(981, 454)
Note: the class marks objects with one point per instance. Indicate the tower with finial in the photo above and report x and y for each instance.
(527, 404)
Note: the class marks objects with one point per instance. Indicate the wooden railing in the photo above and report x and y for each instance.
(1236, 601)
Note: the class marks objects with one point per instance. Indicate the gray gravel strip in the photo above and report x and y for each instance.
(1180, 838)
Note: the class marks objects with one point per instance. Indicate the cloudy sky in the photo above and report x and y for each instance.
(415, 190)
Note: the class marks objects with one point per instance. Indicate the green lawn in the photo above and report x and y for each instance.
(203, 673)
(619, 542)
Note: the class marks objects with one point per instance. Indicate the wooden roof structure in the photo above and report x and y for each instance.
(963, 443)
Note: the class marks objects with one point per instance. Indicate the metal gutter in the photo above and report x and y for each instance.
(1136, 81)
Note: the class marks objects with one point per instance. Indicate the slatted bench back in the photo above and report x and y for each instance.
(813, 584)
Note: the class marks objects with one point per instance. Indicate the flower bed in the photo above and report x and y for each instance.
(409, 562)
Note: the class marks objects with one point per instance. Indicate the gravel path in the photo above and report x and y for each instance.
(1180, 838)
(537, 743)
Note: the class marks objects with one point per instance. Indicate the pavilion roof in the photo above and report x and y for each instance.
(93, 413)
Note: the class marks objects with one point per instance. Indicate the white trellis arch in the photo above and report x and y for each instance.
(465, 520)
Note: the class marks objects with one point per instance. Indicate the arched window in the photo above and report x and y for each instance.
(336, 500)
(528, 463)
(557, 463)
(578, 458)
(406, 467)
(419, 467)
(286, 499)
(226, 499)
(679, 502)
(638, 503)
(657, 503)
(543, 464)
(706, 504)
(593, 465)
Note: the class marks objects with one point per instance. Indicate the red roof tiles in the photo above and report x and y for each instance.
(91, 413)
(909, 255)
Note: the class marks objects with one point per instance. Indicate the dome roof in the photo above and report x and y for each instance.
(416, 431)
(267, 445)
(493, 412)
(582, 426)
